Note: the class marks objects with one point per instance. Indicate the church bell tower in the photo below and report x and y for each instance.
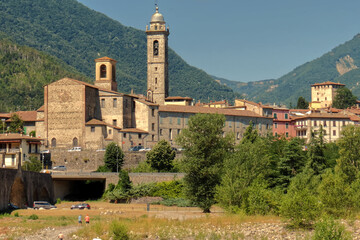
(157, 59)
(105, 70)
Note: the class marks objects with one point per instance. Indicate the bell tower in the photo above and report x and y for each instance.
(157, 59)
(105, 73)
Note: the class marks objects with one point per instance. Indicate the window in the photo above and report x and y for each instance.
(287, 134)
(124, 135)
(275, 125)
(237, 124)
(275, 115)
(334, 123)
(170, 134)
(178, 131)
(334, 132)
(161, 132)
(92, 129)
(161, 119)
(103, 71)
(153, 138)
(179, 121)
(75, 142)
(155, 68)
(110, 131)
(315, 123)
(53, 142)
(286, 116)
(287, 125)
(102, 102)
(156, 47)
(324, 123)
(153, 112)
(343, 123)
(230, 124)
(139, 136)
(276, 134)
(155, 80)
(115, 102)
(153, 126)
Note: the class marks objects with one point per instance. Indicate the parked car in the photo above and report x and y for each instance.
(145, 150)
(75, 149)
(59, 168)
(80, 206)
(136, 148)
(101, 150)
(12, 206)
(43, 204)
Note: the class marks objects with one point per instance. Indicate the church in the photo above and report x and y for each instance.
(78, 114)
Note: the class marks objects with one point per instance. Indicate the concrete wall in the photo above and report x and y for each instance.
(23, 188)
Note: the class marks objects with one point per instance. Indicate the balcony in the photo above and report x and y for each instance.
(11, 150)
(301, 127)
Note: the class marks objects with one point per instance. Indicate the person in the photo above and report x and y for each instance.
(61, 236)
(87, 219)
(79, 220)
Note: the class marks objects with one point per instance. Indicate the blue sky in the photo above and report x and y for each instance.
(244, 40)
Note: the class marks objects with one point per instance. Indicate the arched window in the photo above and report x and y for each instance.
(53, 142)
(156, 48)
(75, 142)
(103, 71)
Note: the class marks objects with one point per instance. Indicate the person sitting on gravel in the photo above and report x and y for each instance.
(61, 236)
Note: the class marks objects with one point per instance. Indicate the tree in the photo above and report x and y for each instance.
(344, 98)
(16, 124)
(114, 157)
(349, 149)
(161, 157)
(250, 134)
(302, 103)
(206, 149)
(33, 165)
(316, 152)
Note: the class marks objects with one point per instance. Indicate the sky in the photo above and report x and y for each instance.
(244, 40)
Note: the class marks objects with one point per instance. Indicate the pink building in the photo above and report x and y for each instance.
(282, 124)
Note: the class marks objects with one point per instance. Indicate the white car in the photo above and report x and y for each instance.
(75, 149)
(145, 150)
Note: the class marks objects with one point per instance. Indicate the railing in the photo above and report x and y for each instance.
(14, 150)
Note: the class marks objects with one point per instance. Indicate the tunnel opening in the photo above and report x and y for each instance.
(17, 194)
(79, 190)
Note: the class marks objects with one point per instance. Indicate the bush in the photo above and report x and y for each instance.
(172, 189)
(119, 231)
(34, 217)
(179, 202)
(16, 214)
(58, 201)
(329, 229)
(143, 167)
(301, 207)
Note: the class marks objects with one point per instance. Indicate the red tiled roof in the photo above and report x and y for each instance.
(178, 98)
(26, 116)
(41, 109)
(133, 130)
(17, 136)
(95, 122)
(104, 59)
(196, 109)
(327, 83)
(355, 118)
(325, 115)
(5, 115)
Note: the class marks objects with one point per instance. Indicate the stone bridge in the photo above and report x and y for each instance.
(22, 188)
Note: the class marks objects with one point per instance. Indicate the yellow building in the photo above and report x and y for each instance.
(323, 94)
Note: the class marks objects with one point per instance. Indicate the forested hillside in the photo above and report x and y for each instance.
(23, 73)
(339, 65)
(77, 35)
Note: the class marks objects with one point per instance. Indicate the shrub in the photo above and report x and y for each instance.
(58, 201)
(33, 217)
(119, 231)
(171, 189)
(143, 167)
(16, 214)
(179, 202)
(329, 229)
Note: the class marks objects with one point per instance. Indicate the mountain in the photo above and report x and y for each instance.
(77, 35)
(23, 73)
(341, 65)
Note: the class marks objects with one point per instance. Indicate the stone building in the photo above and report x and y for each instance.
(323, 94)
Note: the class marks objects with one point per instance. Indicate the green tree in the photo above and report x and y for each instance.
(33, 165)
(248, 163)
(206, 149)
(316, 152)
(250, 135)
(292, 162)
(161, 157)
(114, 157)
(302, 103)
(344, 98)
(349, 150)
(16, 124)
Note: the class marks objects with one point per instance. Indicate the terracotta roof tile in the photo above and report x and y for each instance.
(325, 115)
(327, 83)
(41, 109)
(26, 116)
(16, 136)
(104, 59)
(95, 122)
(133, 130)
(178, 98)
(196, 109)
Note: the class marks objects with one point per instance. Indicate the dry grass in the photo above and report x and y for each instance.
(160, 222)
